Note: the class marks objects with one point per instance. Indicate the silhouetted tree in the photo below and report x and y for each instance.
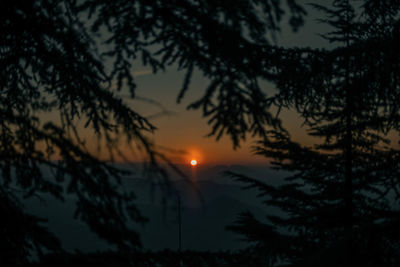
(340, 206)
(69, 59)
(165, 258)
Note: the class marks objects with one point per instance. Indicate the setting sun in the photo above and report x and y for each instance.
(193, 162)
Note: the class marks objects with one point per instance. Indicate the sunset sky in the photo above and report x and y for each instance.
(181, 129)
(185, 131)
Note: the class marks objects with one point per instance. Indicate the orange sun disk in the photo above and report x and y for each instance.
(193, 162)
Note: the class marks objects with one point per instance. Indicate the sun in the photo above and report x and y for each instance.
(193, 162)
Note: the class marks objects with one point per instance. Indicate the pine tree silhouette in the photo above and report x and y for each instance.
(340, 206)
(73, 59)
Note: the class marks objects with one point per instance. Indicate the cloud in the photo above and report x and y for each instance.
(142, 72)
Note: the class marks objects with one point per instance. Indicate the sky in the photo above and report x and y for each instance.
(186, 130)
(182, 129)
(182, 134)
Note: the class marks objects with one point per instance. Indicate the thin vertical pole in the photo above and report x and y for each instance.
(179, 223)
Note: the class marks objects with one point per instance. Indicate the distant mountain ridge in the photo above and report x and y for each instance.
(209, 204)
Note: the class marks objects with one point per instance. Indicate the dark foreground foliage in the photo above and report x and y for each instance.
(340, 205)
(65, 67)
(164, 258)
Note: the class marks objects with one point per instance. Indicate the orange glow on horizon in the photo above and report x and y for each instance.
(193, 154)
